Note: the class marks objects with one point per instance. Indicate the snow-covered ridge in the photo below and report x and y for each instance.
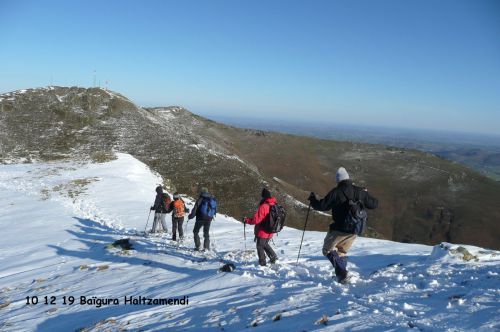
(61, 98)
(58, 220)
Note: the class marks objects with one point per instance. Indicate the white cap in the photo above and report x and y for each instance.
(341, 175)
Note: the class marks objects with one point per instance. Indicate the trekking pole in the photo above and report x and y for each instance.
(149, 215)
(305, 225)
(214, 243)
(245, 233)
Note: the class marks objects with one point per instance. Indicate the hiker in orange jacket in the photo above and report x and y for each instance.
(178, 209)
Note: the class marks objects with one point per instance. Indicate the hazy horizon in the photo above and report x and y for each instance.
(410, 130)
(358, 129)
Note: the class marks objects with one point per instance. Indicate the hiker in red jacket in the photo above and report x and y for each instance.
(262, 237)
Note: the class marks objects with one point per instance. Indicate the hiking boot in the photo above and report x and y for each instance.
(196, 249)
(344, 279)
(273, 260)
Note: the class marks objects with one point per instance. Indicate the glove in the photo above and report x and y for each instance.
(312, 196)
(152, 208)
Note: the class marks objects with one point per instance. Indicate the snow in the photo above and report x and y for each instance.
(234, 157)
(214, 152)
(58, 220)
(166, 114)
(197, 146)
(114, 95)
(298, 203)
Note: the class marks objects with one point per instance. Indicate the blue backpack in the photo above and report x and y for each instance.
(208, 208)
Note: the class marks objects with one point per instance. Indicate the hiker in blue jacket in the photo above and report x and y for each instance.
(204, 210)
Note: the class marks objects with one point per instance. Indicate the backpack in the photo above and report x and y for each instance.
(179, 208)
(208, 208)
(277, 215)
(166, 200)
(355, 220)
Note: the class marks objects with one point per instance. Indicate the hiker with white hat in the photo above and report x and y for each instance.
(347, 203)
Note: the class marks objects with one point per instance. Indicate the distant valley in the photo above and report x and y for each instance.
(477, 151)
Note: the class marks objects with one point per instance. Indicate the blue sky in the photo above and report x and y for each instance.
(418, 64)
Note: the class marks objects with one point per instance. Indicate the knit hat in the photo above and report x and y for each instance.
(176, 195)
(159, 190)
(341, 175)
(266, 193)
(204, 190)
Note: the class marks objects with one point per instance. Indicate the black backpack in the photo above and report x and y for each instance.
(277, 215)
(356, 217)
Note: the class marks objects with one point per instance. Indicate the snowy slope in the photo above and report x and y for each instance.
(59, 219)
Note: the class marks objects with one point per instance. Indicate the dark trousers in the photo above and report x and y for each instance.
(339, 263)
(206, 235)
(263, 248)
(177, 224)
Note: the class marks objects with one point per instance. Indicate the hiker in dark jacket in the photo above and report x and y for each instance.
(201, 221)
(178, 209)
(160, 210)
(261, 235)
(338, 241)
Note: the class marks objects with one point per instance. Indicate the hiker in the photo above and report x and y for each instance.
(262, 237)
(204, 210)
(160, 208)
(178, 209)
(338, 240)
